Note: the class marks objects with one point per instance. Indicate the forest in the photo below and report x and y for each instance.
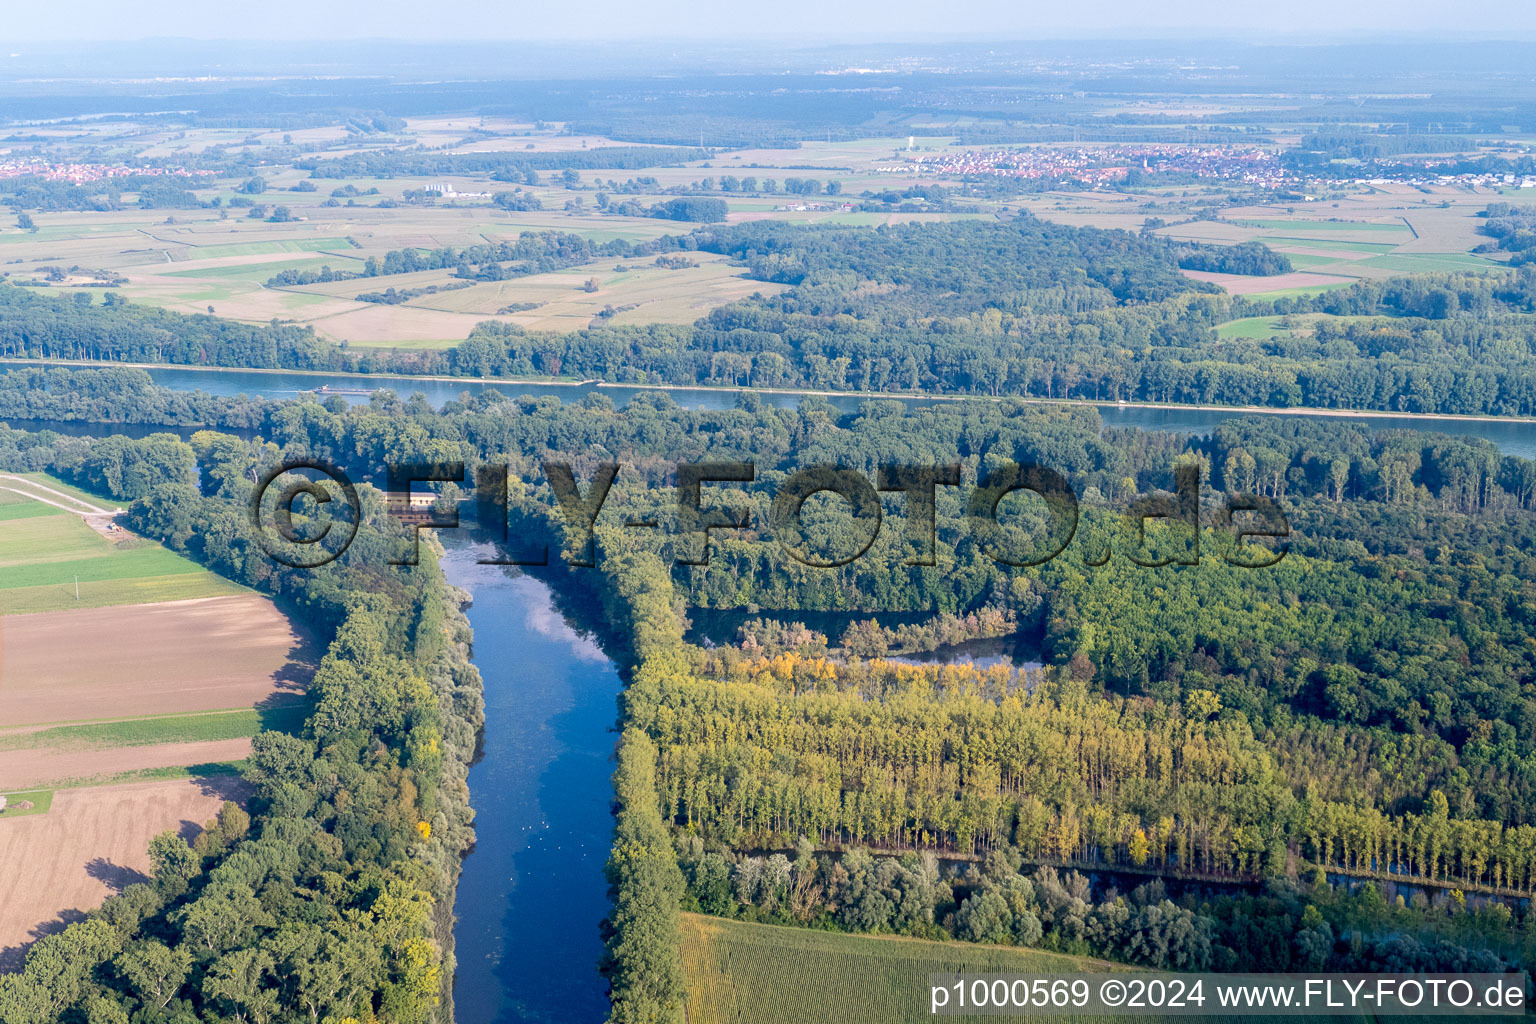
(1252, 258)
(1212, 745)
(1203, 747)
(534, 252)
(1044, 311)
(950, 802)
(1513, 229)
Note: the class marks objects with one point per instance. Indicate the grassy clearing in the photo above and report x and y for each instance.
(46, 554)
(205, 769)
(43, 539)
(413, 345)
(1423, 263)
(41, 799)
(11, 497)
(1269, 326)
(738, 973)
(240, 723)
(102, 500)
(1251, 327)
(641, 293)
(261, 272)
(145, 559)
(59, 232)
(1307, 261)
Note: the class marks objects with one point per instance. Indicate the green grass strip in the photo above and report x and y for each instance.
(141, 732)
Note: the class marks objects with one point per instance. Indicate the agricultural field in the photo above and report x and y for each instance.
(82, 753)
(628, 291)
(90, 844)
(741, 973)
(60, 552)
(220, 260)
(159, 674)
(167, 658)
(1299, 283)
(768, 974)
(1376, 233)
(195, 267)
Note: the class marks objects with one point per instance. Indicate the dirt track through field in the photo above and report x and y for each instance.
(179, 656)
(90, 844)
(51, 496)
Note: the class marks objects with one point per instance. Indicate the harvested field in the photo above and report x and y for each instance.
(1325, 254)
(179, 656)
(37, 767)
(642, 292)
(90, 844)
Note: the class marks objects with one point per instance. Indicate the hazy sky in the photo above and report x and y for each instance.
(812, 20)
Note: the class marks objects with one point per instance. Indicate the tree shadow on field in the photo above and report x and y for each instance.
(294, 677)
(13, 958)
(115, 876)
(284, 712)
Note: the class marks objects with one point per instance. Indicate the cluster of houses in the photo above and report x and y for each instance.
(825, 207)
(1468, 181)
(81, 173)
(447, 191)
(1099, 165)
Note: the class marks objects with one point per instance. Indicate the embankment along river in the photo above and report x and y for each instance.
(1514, 437)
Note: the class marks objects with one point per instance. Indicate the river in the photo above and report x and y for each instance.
(532, 892)
(1512, 438)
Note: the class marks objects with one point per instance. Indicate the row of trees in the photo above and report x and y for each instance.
(963, 760)
(1290, 927)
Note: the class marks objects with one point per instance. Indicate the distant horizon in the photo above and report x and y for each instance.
(687, 21)
(1190, 33)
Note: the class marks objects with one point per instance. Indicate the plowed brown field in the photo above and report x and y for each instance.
(147, 659)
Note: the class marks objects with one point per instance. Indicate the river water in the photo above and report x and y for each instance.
(532, 893)
(1513, 438)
